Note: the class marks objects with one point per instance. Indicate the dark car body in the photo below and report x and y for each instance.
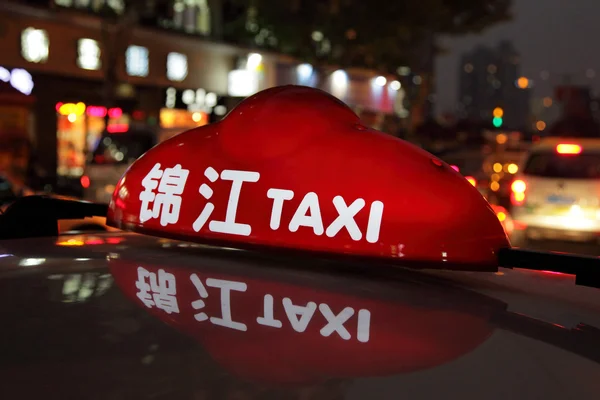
(77, 325)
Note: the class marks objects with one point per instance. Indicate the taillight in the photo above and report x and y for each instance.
(564, 148)
(85, 181)
(517, 196)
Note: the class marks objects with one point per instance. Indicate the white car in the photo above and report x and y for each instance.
(556, 193)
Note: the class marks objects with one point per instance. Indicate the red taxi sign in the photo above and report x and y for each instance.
(293, 167)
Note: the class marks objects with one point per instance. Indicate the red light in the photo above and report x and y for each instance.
(568, 148)
(115, 113)
(94, 241)
(58, 106)
(96, 111)
(138, 115)
(519, 226)
(517, 197)
(85, 181)
(454, 167)
(518, 186)
(113, 240)
(117, 128)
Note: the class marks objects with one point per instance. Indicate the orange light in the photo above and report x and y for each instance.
(471, 180)
(540, 125)
(117, 128)
(85, 181)
(501, 216)
(518, 186)
(71, 242)
(501, 138)
(498, 112)
(519, 196)
(568, 148)
(523, 82)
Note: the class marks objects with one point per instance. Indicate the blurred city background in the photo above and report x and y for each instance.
(87, 86)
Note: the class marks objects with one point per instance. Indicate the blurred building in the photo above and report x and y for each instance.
(94, 68)
(490, 78)
(87, 63)
(545, 111)
(578, 112)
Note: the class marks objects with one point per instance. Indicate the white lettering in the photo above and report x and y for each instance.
(374, 224)
(335, 322)
(199, 304)
(310, 202)
(207, 192)
(364, 326)
(304, 313)
(346, 218)
(229, 225)
(159, 292)
(226, 288)
(278, 196)
(269, 319)
(167, 202)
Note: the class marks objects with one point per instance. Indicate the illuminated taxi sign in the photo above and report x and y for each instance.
(293, 167)
(161, 200)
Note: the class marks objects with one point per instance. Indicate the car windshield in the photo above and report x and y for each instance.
(553, 165)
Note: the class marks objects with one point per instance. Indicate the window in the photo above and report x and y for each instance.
(88, 54)
(136, 60)
(35, 45)
(553, 165)
(177, 67)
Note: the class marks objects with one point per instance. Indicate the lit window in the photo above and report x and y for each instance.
(88, 54)
(35, 45)
(203, 24)
(136, 60)
(21, 80)
(177, 66)
(117, 5)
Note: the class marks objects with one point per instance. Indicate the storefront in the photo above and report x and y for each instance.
(16, 124)
(79, 129)
(187, 109)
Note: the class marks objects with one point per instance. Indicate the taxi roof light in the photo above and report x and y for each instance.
(319, 210)
(567, 148)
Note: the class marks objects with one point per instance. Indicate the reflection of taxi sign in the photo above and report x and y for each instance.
(316, 334)
(292, 167)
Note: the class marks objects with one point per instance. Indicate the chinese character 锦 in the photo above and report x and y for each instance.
(165, 204)
(157, 291)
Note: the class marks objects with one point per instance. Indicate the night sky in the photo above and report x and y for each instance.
(559, 36)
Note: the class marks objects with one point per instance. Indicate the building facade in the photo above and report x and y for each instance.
(163, 79)
(90, 75)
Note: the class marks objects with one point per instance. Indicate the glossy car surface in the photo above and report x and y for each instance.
(84, 317)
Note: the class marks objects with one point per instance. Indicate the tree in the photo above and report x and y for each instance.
(378, 34)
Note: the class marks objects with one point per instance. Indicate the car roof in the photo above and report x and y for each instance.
(77, 326)
(551, 143)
